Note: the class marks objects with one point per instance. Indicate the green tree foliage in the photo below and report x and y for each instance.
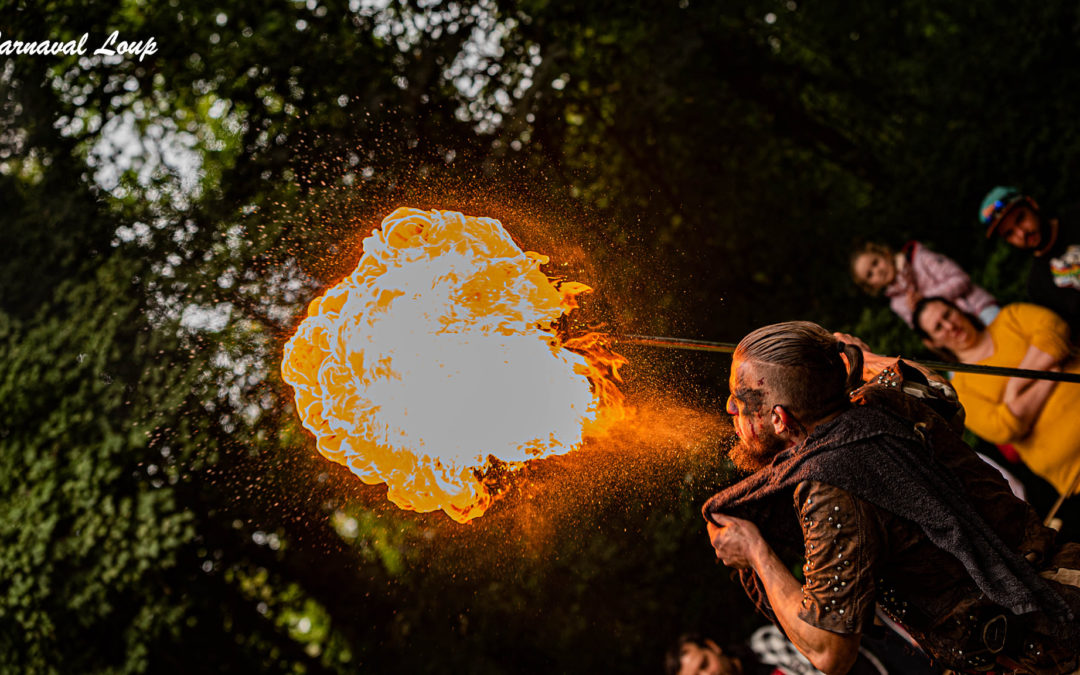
(753, 144)
(86, 536)
(705, 166)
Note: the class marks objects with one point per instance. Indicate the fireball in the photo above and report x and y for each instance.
(437, 358)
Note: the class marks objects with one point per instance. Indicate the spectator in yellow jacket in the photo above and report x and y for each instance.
(1040, 418)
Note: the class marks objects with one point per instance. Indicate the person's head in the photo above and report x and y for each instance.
(785, 378)
(695, 655)
(873, 266)
(945, 327)
(1014, 217)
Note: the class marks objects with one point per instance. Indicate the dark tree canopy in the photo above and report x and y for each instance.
(704, 166)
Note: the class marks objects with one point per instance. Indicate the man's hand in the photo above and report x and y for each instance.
(873, 363)
(852, 340)
(737, 542)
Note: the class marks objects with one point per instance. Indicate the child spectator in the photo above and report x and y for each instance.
(916, 272)
(1054, 279)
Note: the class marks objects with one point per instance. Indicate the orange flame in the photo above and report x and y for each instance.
(437, 353)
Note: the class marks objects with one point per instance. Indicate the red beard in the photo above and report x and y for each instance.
(757, 452)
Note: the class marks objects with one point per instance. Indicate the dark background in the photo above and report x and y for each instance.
(705, 166)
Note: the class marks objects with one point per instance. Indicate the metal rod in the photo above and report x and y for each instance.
(940, 366)
(676, 343)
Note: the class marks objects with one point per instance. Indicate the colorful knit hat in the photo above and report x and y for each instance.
(996, 204)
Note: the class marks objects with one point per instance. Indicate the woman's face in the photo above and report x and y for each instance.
(948, 327)
(874, 270)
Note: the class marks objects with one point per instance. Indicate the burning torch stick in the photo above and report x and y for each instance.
(940, 366)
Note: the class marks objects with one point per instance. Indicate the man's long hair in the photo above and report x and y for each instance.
(803, 365)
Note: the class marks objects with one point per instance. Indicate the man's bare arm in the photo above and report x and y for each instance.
(739, 544)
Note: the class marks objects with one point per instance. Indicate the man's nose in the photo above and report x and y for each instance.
(732, 409)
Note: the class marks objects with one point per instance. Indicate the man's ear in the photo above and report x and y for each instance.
(780, 419)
